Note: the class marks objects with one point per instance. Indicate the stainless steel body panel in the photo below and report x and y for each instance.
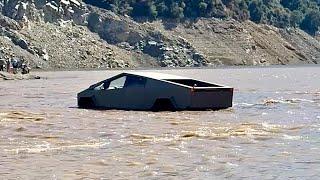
(138, 92)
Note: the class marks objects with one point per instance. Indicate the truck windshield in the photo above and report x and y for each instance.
(122, 82)
(117, 83)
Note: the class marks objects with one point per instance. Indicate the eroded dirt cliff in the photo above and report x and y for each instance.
(69, 34)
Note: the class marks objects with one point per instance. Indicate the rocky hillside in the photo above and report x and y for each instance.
(69, 34)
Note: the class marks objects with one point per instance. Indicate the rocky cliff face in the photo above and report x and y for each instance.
(71, 34)
(49, 11)
(54, 35)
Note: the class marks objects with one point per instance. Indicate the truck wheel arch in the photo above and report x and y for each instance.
(163, 104)
(86, 102)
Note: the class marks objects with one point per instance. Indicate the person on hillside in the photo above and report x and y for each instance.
(25, 69)
(15, 63)
(9, 65)
(2, 64)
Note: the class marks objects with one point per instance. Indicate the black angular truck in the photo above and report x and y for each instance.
(155, 91)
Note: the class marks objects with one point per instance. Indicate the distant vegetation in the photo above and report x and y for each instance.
(281, 13)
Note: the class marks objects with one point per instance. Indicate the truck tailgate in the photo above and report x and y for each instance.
(211, 98)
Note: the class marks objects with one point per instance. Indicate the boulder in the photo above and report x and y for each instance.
(9, 23)
(22, 10)
(153, 49)
(317, 35)
(75, 3)
(65, 2)
(51, 12)
(22, 43)
(45, 57)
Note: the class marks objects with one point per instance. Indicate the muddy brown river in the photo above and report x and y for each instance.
(271, 132)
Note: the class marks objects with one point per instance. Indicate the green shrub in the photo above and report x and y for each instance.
(280, 13)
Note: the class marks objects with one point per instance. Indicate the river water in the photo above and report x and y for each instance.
(271, 132)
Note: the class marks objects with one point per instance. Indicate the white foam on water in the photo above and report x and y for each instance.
(232, 164)
(3, 114)
(47, 148)
(243, 104)
(286, 101)
(271, 126)
(302, 100)
(289, 137)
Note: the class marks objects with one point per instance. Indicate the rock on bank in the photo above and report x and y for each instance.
(9, 76)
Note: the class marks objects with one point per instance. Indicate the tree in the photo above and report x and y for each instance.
(282, 18)
(162, 9)
(256, 9)
(291, 4)
(203, 8)
(217, 9)
(177, 11)
(144, 9)
(296, 18)
(153, 11)
(311, 22)
(93, 21)
(280, 13)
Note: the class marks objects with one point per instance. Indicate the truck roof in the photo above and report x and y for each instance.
(160, 76)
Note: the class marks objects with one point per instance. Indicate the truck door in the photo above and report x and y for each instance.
(135, 92)
(111, 94)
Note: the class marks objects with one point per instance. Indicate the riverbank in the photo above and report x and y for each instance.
(40, 73)
(9, 76)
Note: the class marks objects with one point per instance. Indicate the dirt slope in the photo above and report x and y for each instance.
(234, 43)
(75, 35)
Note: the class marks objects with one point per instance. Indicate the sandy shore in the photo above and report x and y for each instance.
(9, 76)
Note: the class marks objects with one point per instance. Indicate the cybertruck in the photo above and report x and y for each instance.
(155, 91)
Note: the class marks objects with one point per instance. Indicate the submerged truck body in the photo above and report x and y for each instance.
(155, 91)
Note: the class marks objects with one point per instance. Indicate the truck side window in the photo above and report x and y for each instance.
(117, 83)
(133, 81)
